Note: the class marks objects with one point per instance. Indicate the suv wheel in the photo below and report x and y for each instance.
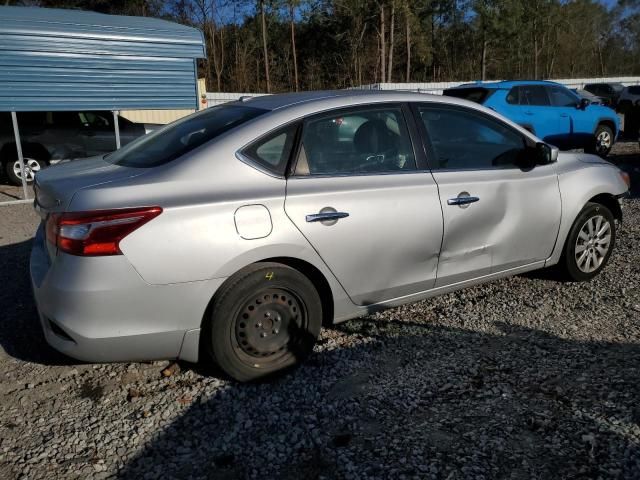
(31, 167)
(602, 141)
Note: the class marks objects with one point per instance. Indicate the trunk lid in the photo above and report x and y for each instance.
(55, 187)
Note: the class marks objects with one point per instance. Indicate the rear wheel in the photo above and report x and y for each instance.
(602, 141)
(590, 243)
(264, 319)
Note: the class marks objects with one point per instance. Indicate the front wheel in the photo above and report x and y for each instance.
(264, 319)
(602, 141)
(31, 167)
(590, 243)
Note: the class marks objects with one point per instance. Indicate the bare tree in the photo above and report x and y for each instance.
(391, 34)
(264, 46)
(383, 41)
(407, 20)
(292, 6)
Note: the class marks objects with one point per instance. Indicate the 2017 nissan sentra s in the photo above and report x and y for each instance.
(237, 232)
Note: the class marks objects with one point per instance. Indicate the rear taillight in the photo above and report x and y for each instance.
(98, 232)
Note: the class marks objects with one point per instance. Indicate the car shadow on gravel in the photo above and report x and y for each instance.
(21, 334)
(385, 398)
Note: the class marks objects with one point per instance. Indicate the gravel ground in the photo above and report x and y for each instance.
(521, 378)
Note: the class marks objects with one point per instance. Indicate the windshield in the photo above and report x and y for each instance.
(174, 140)
(617, 87)
(478, 95)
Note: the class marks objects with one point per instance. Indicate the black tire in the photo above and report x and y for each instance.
(624, 106)
(32, 164)
(569, 265)
(264, 319)
(602, 141)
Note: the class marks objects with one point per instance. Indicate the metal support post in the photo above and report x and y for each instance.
(116, 126)
(16, 133)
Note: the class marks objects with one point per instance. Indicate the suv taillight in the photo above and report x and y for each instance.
(96, 233)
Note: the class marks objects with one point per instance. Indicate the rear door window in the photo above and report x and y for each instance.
(528, 95)
(95, 119)
(174, 140)
(356, 142)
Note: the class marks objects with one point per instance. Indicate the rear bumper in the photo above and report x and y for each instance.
(98, 309)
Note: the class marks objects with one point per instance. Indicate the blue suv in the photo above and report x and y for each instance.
(549, 110)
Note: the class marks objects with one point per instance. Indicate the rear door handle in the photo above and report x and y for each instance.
(564, 115)
(528, 112)
(326, 216)
(462, 200)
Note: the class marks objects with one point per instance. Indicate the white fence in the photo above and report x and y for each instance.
(216, 98)
(438, 87)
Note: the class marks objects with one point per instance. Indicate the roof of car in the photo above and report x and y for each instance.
(282, 100)
(504, 84)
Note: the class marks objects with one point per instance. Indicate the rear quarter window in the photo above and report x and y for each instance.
(273, 151)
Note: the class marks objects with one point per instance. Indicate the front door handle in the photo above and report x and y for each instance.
(462, 200)
(326, 216)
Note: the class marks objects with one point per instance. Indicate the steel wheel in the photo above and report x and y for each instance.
(265, 323)
(264, 319)
(593, 244)
(31, 167)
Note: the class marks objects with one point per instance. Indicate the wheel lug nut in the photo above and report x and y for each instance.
(259, 325)
(275, 332)
(263, 334)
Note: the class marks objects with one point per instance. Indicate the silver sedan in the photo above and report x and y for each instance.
(236, 233)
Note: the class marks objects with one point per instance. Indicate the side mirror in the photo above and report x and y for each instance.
(545, 154)
(584, 103)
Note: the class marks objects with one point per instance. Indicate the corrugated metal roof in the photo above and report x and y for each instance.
(53, 59)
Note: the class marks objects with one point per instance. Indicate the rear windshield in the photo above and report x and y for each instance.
(171, 142)
(478, 95)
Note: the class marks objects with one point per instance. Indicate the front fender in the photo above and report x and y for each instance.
(577, 187)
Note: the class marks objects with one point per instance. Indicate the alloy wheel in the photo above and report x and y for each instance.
(603, 141)
(31, 167)
(593, 244)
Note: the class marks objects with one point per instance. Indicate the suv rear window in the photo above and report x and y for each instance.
(528, 95)
(171, 142)
(478, 95)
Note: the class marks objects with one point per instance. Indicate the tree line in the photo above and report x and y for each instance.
(289, 45)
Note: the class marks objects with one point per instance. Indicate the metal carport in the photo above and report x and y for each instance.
(70, 60)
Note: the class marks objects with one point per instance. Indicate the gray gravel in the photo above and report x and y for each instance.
(521, 378)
